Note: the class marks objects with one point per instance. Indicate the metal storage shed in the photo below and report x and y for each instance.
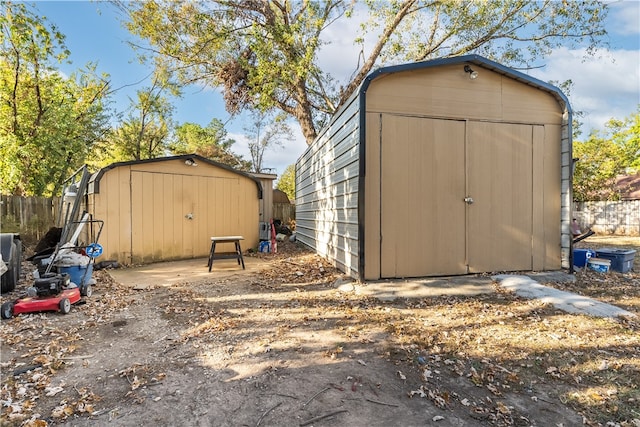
(168, 208)
(445, 167)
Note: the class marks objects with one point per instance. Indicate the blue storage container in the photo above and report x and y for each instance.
(621, 259)
(581, 256)
(78, 272)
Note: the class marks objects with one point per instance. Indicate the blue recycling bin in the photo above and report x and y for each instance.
(581, 256)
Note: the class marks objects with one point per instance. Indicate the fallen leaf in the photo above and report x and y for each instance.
(420, 392)
(52, 391)
(493, 389)
(503, 409)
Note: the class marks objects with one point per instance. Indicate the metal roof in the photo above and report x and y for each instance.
(94, 181)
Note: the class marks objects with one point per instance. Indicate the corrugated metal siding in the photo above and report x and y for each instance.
(327, 191)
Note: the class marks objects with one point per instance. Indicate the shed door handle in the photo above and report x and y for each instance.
(468, 200)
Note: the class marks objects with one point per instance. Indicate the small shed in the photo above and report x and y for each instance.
(168, 208)
(266, 203)
(445, 167)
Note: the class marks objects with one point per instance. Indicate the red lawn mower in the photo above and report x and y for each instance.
(53, 292)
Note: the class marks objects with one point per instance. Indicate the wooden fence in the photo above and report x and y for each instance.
(286, 212)
(30, 216)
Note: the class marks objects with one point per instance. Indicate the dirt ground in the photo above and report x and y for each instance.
(291, 343)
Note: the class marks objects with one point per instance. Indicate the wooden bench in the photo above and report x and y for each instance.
(226, 239)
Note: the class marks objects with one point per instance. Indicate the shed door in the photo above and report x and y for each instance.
(422, 187)
(500, 181)
(173, 216)
(428, 168)
(160, 204)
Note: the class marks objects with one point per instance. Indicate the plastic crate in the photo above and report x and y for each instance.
(621, 259)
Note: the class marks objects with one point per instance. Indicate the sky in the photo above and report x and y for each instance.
(604, 86)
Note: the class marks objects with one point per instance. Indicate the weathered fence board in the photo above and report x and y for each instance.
(29, 216)
(286, 212)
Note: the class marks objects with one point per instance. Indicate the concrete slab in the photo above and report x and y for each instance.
(169, 273)
(526, 287)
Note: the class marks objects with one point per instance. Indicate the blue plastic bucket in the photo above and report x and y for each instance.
(77, 273)
(581, 256)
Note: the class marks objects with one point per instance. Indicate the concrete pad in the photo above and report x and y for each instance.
(526, 287)
(169, 273)
(388, 290)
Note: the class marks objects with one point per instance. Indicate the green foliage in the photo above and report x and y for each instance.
(626, 134)
(48, 122)
(144, 134)
(265, 53)
(604, 156)
(210, 142)
(287, 182)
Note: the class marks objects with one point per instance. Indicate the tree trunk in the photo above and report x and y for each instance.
(304, 114)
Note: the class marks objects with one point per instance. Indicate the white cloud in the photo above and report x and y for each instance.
(340, 56)
(604, 86)
(626, 17)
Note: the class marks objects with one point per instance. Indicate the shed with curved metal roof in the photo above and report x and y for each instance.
(168, 208)
(445, 167)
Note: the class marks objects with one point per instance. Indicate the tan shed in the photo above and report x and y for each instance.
(444, 167)
(169, 208)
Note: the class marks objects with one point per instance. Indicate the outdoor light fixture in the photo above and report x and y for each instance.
(472, 74)
(190, 162)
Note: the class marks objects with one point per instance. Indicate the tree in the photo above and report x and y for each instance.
(48, 122)
(604, 156)
(144, 134)
(210, 142)
(287, 182)
(264, 54)
(265, 133)
(626, 134)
